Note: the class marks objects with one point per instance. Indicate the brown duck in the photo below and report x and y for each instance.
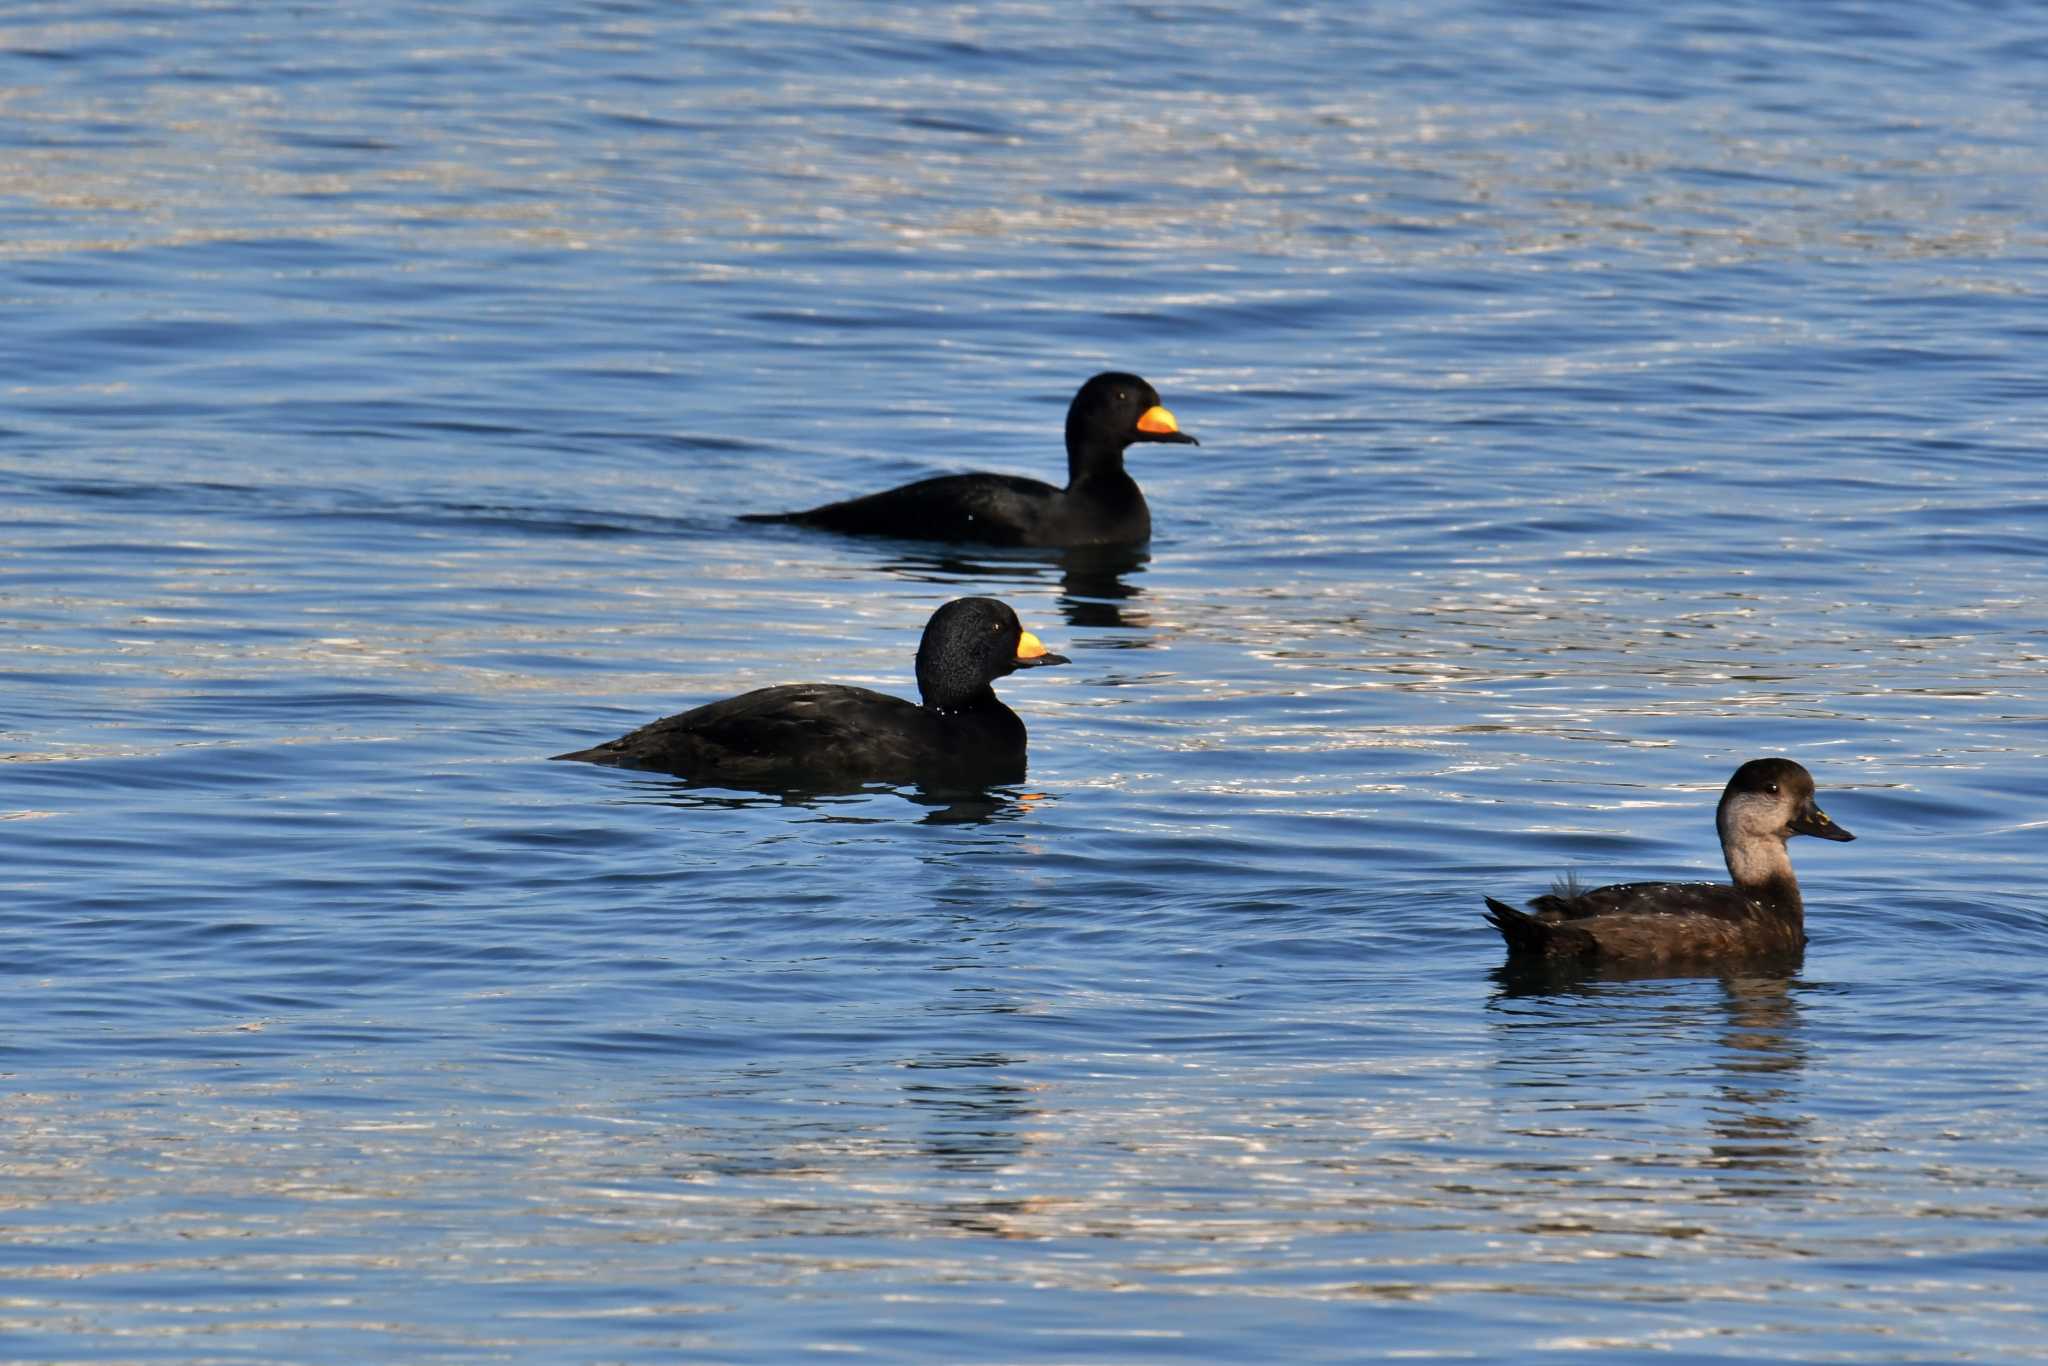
(1653, 923)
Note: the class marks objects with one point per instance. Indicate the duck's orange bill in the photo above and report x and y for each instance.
(1158, 421)
(1030, 646)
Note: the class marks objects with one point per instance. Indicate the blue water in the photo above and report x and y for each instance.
(1590, 400)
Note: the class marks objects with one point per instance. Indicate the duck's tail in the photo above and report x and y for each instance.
(1528, 937)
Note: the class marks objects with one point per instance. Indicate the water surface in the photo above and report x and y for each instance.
(1590, 401)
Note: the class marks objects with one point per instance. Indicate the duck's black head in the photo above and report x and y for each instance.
(1772, 799)
(968, 644)
(1109, 413)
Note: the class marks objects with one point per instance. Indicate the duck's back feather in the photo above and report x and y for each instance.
(999, 509)
(823, 734)
(992, 509)
(821, 728)
(1650, 922)
(1716, 899)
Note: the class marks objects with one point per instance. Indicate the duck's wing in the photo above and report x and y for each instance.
(1648, 923)
(826, 729)
(1568, 901)
(993, 509)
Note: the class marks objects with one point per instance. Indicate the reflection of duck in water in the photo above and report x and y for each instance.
(1762, 1139)
(1656, 923)
(824, 734)
(1707, 1066)
(1101, 504)
(973, 1113)
(1095, 580)
(1095, 593)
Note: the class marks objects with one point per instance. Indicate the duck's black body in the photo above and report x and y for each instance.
(1652, 923)
(1101, 504)
(827, 735)
(826, 732)
(993, 509)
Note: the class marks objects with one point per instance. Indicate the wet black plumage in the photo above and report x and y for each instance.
(1101, 504)
(829, 734)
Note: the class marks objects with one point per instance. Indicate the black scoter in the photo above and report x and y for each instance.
(830, 735)
(1100, 505)
(1654, 923)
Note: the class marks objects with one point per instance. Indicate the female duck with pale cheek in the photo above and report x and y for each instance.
(1651, 923)
(1100, 505)
(829, 734)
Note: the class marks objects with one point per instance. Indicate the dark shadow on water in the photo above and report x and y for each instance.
(1096, 591)
(945, 804)
(1095, 581)
(1578, 979)
(973, 1117)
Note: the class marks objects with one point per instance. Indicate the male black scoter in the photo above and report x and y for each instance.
(1100, 505)
(828, 734)
(1653, 923)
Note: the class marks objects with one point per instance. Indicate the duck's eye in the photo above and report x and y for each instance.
(1771, 788)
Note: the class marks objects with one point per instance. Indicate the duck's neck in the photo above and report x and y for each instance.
(1094, 465)
(981, 702)
(980, 731)
(1762, 871)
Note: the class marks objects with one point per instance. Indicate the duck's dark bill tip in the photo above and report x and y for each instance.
(1047, 658)
(1821, 826)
